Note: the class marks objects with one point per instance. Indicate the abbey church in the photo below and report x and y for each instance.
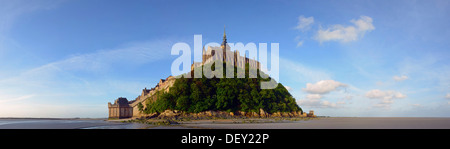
(225, 54)
(122, 108)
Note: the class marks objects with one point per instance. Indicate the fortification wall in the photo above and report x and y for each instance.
(163, 85)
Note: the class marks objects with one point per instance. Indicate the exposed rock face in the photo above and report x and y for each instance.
(276, 114)
(152, 115)
(208, 113)
(169, 113)
(254, 114)
(294, 114)
(242, 113)
(224, 114)
(262, 113)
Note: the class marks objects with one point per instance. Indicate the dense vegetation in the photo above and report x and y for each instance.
(195, 95)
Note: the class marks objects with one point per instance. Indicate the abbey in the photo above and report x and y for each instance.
(226, 55)
(122, 108)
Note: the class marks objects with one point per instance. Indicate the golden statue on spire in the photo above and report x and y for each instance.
(224, 34)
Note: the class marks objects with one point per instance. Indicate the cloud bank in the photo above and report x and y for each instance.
(386, 98)
(342, 33)
(324, 86)
(317, 90)
(304, 23)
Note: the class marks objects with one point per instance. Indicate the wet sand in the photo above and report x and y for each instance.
(38, 123)
(341, 123)
(317, 123)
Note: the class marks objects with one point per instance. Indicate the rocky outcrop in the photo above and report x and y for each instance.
(224, 114)
(276, 114)
(241, 113)
(169, 113)
(152, 115)
(254, 114)
(262, 113)
(285, 114)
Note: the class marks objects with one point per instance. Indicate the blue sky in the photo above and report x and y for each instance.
(340, 58)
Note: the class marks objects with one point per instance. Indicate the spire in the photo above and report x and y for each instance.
(224, 43)
(224, 34)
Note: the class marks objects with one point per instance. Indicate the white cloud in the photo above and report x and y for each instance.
(447, 96)
(378, 94)
(304, 23)
(313, 96)
(346, 34)
(313, 99)
(323, 86)
(386, 98)
(317, 103)
(400, 78)
(300, 43)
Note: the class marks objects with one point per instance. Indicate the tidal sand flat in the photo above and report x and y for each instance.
(341, 123)
(38, 123)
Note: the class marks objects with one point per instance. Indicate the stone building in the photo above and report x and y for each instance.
(147, 94)
(311, 113)
(120, 109)
(225, 54)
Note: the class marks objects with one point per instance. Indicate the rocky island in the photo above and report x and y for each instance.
(217, 97)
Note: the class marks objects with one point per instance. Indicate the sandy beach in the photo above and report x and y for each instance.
(317, 123)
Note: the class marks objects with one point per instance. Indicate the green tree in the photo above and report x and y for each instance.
(140, 106)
